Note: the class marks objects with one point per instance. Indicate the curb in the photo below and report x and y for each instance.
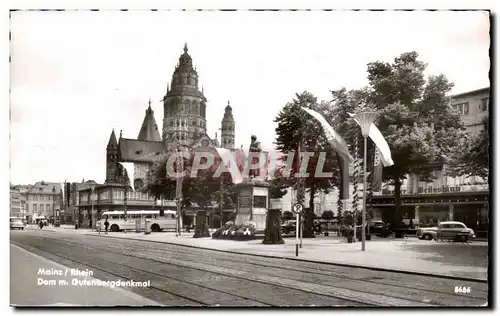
(434, 275)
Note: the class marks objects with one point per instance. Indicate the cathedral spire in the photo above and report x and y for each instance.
(185, 47)
(112, 139)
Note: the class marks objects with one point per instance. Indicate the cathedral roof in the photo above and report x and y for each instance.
(149, 129)
(134, 150)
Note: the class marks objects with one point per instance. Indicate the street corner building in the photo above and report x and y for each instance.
(463, 199)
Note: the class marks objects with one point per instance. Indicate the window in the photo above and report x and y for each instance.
(34, 208)
(41, 207)
(48, 207)
(458, 226)
(260, 201)
(445, 226)
(484, 104)
(463, 108)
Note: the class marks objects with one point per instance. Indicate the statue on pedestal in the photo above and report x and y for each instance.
(255, 147)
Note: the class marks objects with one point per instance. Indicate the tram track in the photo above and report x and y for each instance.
(56, 252)
(186, 258)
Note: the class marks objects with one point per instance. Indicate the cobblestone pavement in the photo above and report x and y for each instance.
(183, 276)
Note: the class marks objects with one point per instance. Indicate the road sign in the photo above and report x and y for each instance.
(297, 208)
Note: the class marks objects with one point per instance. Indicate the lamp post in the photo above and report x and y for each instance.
(365, 120)
(125, 180)
(53, 201)
(92, 207)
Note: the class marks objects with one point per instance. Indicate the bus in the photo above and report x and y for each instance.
(118, 222)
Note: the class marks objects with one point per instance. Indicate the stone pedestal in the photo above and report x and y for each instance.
(252, 203)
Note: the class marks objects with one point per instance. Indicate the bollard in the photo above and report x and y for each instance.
(147, 227)
(137, 225)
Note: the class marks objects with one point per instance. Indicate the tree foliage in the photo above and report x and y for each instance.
(414, 115)
(296, 131)
(327, 215)
(202, 190)
(472, 158)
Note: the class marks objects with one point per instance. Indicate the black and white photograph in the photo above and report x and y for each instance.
(250, 158)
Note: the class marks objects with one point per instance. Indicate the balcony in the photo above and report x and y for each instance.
(439, 190)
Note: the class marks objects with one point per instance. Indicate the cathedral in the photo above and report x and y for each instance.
(184, 123)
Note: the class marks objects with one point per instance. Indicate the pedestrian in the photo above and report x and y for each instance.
(40, 223)
(90, 224)
(106, 224)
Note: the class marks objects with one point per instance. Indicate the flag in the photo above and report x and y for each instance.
(333, 137)
(381, 143)
(377, 172)
(129, 167)
(230, 161)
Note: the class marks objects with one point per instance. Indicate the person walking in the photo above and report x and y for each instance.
(40, 223)
(106, 224)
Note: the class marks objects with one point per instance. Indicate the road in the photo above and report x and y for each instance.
(183, 276)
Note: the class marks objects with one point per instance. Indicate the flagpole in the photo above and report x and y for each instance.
(363, 219)
(365, 120)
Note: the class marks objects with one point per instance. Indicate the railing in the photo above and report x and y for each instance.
(439, 190)
(131, 196)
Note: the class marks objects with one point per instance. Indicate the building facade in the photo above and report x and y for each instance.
(22, 190)
(463, 199)
(15, 203)
(44, 201)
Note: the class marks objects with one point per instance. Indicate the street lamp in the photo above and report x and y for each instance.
(125, 178)
(365, 120)
(53, 201)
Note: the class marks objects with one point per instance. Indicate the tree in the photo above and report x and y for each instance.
(272, 233)
(202, 190)
(296, 131)
(472, 155)
(413, 115)
(278, 185)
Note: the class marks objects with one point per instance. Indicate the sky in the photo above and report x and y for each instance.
(74, 76)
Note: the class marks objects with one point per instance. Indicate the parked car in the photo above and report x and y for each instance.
(446, 230)
(288, 226)
(377, 227)
(358, 232)
(16, 224)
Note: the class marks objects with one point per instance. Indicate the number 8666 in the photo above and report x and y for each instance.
(462, 289)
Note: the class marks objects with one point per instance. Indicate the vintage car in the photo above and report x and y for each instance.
(16, 224)
(445, 230)
(288, 227)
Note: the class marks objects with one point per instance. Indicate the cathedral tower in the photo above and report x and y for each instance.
(227, 128)
(184, 105)
(112, 159)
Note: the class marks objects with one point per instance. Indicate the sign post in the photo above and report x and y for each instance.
(301, 228)
(297, 208)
